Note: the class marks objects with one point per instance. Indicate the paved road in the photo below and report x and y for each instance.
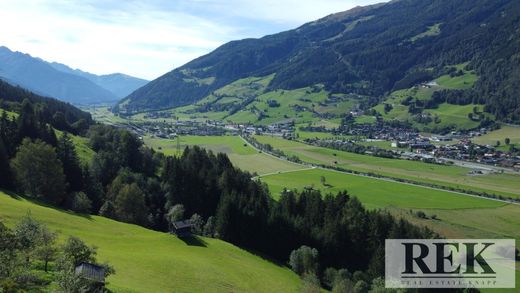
(473, 165)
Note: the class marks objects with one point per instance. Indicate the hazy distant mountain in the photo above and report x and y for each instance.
(62, 82)
(371, 51)
(121, 85)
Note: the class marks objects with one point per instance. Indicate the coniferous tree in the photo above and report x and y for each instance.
(66, 152)
(5, 169)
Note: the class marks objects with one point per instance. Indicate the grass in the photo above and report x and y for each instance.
(10, 114)
(375, 193)
(433, 30)
(451, 176)
(501, 222)
(217, 144)
(464, 81)
(85, 153)
(102, 114)
(241, 154)
(455, 115)
(511, 132)
(150, 261)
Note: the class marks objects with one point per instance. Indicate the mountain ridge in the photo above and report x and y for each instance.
(120, 84)
(61, 81)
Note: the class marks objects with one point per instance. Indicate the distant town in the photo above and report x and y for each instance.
(403, 142)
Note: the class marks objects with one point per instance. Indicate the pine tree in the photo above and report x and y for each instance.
(67, 154)
(5, 169)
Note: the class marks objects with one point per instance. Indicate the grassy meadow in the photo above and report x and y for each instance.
(241, 154)
(150, 261)
(452, 176)
(375, 193)
(506, 131)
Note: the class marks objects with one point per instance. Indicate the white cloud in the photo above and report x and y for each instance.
(145, 38)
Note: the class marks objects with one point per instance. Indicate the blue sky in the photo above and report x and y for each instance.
(146, 38)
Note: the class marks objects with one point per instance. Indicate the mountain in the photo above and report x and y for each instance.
(62, 82)
(121, 85)
(371, 51)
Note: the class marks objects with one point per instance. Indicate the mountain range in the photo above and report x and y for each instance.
(371, 51)
(62, 82)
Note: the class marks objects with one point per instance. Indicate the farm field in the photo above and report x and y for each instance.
(102, 114)
(468, 223)
(511, 132)
(149, 261)
(454, 176)
(243, 157)
(375, 193)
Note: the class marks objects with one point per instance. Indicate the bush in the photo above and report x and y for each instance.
(81, 203)
(197, 222)
(311, 283)
(304, 260)
(421, 214)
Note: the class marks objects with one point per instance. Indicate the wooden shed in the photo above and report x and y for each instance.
(182, 228)
(91, 272)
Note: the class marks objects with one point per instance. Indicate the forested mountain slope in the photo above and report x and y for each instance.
(367, 50)
(59, 114)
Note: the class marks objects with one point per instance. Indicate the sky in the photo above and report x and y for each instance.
(147, 38)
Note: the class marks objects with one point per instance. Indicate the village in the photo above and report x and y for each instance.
(403, 142)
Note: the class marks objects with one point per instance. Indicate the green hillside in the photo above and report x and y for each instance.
(370, 51)
(445, 115)
(149, 261)
(251, 101)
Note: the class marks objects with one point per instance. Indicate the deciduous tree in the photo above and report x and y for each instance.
(39, 171)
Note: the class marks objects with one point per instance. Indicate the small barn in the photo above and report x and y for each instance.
(92, 273)
(182, 228)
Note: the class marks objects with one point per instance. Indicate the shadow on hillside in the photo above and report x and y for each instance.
(194, 241)
(11, 194)
(266, 257)
(45, 204)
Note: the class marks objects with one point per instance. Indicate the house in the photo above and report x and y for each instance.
(422, 146)
(92, 273)
(182, 228)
